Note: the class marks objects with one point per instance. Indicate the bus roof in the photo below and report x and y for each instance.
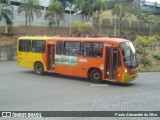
(107, 40)
(34, 37)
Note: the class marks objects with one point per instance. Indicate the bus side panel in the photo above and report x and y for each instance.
(81, 68)
(44, 61)
(24, 60)
(68, 65)
(27, 60)
(68, 70)
(35, 57)
(90, 63)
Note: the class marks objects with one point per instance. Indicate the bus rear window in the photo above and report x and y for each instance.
(24, 45)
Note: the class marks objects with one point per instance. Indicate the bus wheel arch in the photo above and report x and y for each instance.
(95, 75)
(38, 68)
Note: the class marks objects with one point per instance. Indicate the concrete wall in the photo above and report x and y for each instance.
(19, 20)
(7, 53)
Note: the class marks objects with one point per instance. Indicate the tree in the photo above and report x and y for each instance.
(140, 17)
(125, 10)
(3, 2)
(79, 5)
(6, 13)
(142, 42)
(87, 10)
(84, 30)
(98, 7)
(30, 7)
(55, 11)
(71, 2)
(85, 7)
(145, 17)
(121, 9)
(151, 19)
(67, 3)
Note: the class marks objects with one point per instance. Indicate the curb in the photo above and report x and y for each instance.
(149, 71)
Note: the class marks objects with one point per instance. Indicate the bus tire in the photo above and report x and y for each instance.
(95, 76)
(38, 68)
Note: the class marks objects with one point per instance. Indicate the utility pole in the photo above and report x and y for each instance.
(70, 19)
(115, 22)
(6, 15)
(100, 21)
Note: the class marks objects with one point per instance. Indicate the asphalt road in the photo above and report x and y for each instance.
(22, 90)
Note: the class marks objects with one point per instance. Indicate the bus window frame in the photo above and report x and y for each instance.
(120, 57)
(38, 47)
(93, 56)
(23, 45)
(64, 45)
(56, 47)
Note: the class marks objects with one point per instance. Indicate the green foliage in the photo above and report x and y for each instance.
(145, 61)
(139, 41)
(30, 7)
(156, 36)
(98, 7)
(88, 7)
(83, 30)
(87, 10)
(55, 11)
(85, 7)
(142, 42)
(121, 10)
(145, 40)
(154, 62)
(79, 4)
(2, 1)
(70, 1)
(82, 26)
(6, 13)
(145, 17)
(156, 56)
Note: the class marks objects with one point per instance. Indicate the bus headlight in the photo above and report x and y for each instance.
(126, 71)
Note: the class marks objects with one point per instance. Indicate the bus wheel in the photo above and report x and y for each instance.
(38, 68)
(95, 76)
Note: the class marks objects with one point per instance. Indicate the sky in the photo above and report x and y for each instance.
(158, 1)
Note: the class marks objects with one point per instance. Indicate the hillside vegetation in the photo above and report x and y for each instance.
(152, 60)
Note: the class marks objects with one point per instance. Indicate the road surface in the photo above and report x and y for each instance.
(22, 90)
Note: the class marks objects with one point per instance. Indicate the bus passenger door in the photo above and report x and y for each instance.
(51, 55)
(112, 62)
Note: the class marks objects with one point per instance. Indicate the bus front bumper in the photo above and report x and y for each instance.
(127, 77)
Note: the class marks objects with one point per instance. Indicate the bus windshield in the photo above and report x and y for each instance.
(129, 54)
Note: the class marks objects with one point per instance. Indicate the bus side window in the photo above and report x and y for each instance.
(24, 45)
(119, 59)
(38, 46)
(72, 48)
(92, 49)
(59, 47)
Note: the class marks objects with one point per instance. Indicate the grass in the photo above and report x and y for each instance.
(154, 63)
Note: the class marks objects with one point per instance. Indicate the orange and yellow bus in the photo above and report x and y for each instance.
(112, 59)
